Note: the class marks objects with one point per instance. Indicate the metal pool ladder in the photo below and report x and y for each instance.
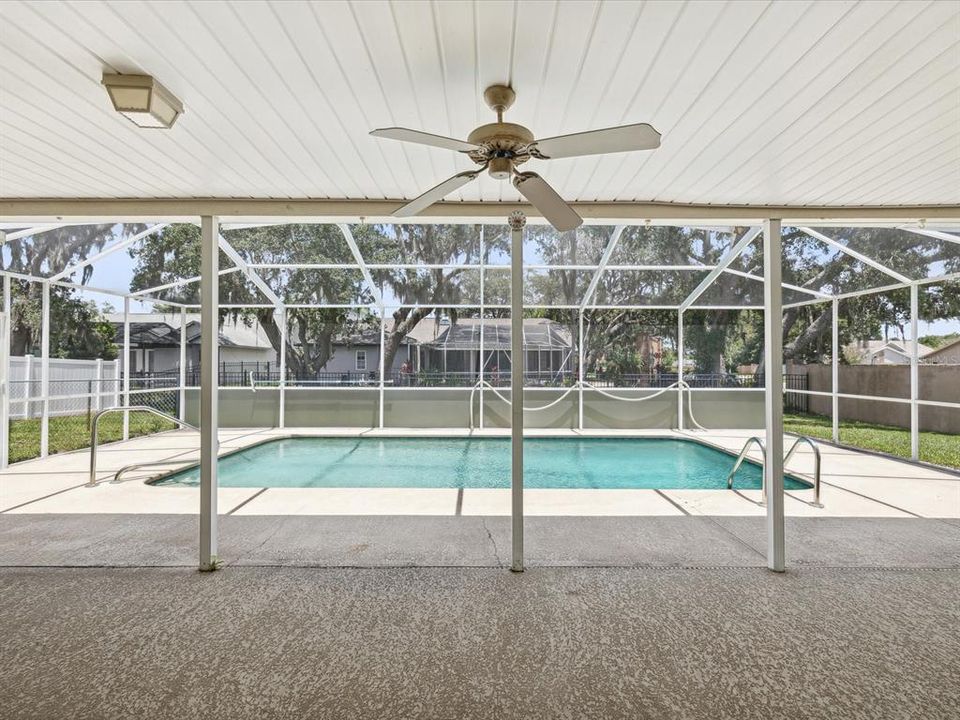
(786, 458)
(124, 408)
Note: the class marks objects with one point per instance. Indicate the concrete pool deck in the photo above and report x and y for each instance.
(878, 512)
(854, 484)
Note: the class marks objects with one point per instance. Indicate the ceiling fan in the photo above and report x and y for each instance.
(500, 147)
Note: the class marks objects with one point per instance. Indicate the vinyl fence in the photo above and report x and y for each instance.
(76, 386)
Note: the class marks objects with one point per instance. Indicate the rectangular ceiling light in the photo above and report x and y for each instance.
(143, 100)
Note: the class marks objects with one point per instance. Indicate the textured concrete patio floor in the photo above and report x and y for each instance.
(388, 541)
(480, 643)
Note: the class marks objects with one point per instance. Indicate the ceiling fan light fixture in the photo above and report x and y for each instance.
(142, 100)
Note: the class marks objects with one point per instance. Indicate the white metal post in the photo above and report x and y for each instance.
(45, 372)
(5, 376)
(483, 251)
(282, 420)
(183, 364)
(773, 391)
(517, 221)
(98, 402)
(580, 371)
(680, 369)
(28, 391)
(914, 372)
(209, 382)
(116, 383)
(127, 369)
(835, 373)
(383, 337)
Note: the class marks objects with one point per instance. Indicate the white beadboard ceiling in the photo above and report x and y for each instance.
(760, 103)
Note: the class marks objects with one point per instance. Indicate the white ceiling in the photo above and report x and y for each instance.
(780, 103)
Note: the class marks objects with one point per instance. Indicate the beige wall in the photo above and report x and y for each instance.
(937, 382)
(449, 407)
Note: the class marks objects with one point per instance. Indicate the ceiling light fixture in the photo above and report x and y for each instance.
(142, 100)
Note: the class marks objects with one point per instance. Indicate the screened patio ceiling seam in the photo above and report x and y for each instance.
(604, 259)
(361, 263)
(786, 286)
(35, 230)
(115, 247)
(725, 261)
(932, 233)
(251, 275)
(854, 254)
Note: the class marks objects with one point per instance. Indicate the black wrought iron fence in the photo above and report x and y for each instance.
(795, 402)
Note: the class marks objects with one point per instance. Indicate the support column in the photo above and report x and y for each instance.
(580, 371)
(5, 376)
(209, 381)
(835, 372)
(517, 221)
(679, 370)
(383, 337)
(127, 369)
(183, 364)
(914, 373)
(28, 391)
(282, 419)
(45, 372)
(98, 401)
(483, 253)
(773, 391)
(115, 393)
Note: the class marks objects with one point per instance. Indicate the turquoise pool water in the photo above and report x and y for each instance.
(479, 463)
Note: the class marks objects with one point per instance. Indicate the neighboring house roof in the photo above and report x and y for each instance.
(948, 354)
(162, 330)
(870, 350)
(368, 336)
(538, 334)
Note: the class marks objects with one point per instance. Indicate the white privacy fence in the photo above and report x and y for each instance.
(76, 386)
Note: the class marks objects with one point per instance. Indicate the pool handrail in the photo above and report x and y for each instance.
(123, 408)
(743, 456)
(816, 464)
(786, 458)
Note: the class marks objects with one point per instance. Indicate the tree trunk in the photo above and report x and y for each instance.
(404, 321)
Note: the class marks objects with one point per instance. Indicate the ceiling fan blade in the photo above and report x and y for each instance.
(624, 138)
(434, 194)
(545, 199)
(423, 138)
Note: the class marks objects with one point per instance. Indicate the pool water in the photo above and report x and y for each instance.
(649, 463)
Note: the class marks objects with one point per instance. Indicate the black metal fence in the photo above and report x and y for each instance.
(794, 402)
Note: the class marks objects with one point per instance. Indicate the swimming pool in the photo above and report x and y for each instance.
(647, 463)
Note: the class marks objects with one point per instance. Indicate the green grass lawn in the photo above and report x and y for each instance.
(935, 448)
(71, 432)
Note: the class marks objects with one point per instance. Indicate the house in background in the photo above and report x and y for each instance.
(155, 342)
(883, 352)
(360, 353)
(155, 346)
(434, 347)
(948, 354)
(548, 346)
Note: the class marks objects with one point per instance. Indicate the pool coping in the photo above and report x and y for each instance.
(156, 480)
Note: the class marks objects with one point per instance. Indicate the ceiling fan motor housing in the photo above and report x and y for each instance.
(503, 145)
